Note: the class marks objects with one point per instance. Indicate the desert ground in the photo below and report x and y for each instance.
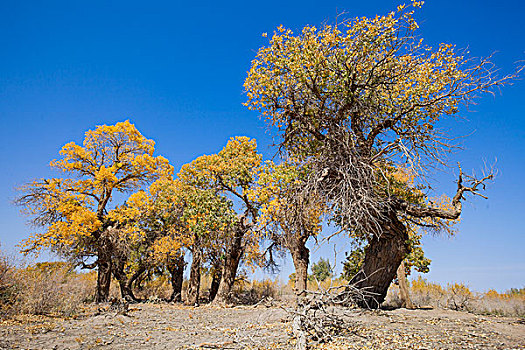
(173, 326)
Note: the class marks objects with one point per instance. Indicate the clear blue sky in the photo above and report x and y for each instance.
(176, 70)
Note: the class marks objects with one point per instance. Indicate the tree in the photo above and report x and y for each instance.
(321, 270)
(75, 210)
(353, 262)
(230, 174)
(287, 217)
(152, 236)
(353, 99)
(416, 259)
(209, 218)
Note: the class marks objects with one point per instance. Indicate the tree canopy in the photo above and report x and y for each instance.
(356, 101)
(74, 210)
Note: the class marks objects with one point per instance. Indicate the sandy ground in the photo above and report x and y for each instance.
(165, 326)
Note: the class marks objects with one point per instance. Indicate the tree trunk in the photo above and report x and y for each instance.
(103, 280)
(103, 273)
(301, 258)
(403, 287)
(120, 276)
(231, 264)
(176, 269)
(383, 255)
(215, 281)
(195, 278)
(132, 279)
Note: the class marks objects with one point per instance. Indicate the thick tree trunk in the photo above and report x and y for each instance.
(104, 271)
(195, 278)
(301, 259)
(383, 255)
(103, 280)
(215, 282)
(120, 276)
(403, 287)
(231, 264)
(176, 269)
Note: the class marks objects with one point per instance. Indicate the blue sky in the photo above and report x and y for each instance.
(176, 70)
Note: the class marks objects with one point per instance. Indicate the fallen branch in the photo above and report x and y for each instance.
(320, 315)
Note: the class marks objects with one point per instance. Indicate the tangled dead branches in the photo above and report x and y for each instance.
(321, 315)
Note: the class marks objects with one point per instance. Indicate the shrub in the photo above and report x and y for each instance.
(155, 288)
(510, 303)
(424, 293)
(251, 292)
(459, 296)
(52, 288)
(8, 285)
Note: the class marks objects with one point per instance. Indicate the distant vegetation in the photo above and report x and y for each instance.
(56, 289)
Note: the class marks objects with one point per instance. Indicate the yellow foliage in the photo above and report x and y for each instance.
(280, 204)
(422, 286)
(459, 288)
(74, 210)
(229, 174)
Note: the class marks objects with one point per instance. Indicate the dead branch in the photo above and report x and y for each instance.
(323, 314)
(465, 183)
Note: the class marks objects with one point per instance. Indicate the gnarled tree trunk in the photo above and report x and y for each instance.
(231, 265)
(129, 283)
(383, 255)
(403, 287)
(216, 272)
(195, 278)
(103, 281)
(104, 270)
(176, 269)
(120, 276)
(301, 259)
(215, 282)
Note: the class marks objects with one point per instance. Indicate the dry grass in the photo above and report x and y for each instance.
(57, 289)
(250, 292)
(44, 289)
(52, 289)
(157, 288)
(458, 296)
(8, 285)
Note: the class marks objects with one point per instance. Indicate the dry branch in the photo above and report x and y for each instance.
(321, 315)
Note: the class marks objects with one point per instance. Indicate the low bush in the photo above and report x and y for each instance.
(511, 303)
(52, 289)
(8, 285)
(156, 288)
(427, 294)
(251, 292)
(458, 296)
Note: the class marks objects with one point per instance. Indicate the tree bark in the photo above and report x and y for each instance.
(383, 255)
(132, 279)
(120, 276)
(195, 278)
(215, 282)
(403, 287)
(231, 265)
(104, 264)
(103, 278)
(301, 259)
(176, 269)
